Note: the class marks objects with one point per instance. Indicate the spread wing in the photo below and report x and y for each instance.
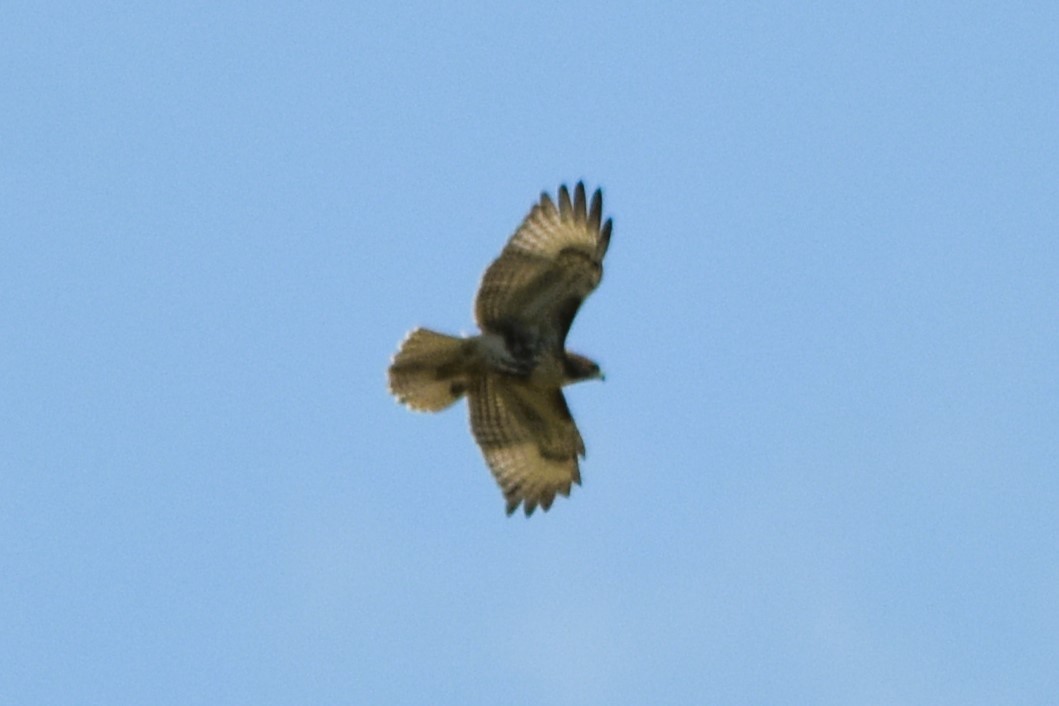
(552, 262)
(528, 438)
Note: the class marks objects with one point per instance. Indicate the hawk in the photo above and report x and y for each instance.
(514, 371)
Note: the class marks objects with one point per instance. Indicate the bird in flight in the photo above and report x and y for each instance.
(514, 371)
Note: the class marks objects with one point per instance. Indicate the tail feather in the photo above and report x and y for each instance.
(429, 371)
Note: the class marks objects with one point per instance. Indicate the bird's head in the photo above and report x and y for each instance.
(577, 368)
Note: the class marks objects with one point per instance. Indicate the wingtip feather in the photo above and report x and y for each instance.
(604, 238)
(580, 212)
(595, 211)
(546, 204)
(565, 207)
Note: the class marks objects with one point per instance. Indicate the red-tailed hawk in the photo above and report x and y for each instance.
(514, 372)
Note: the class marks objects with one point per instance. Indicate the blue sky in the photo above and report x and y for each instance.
(822, 468)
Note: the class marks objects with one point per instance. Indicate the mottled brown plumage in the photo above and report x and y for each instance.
(513, 373)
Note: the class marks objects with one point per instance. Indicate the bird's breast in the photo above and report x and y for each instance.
(548, 372)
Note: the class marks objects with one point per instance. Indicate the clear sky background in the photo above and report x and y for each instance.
(823, 468)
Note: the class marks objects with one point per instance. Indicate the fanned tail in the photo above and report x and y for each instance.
(430, 370)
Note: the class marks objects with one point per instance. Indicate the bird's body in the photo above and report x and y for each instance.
(514, 371)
